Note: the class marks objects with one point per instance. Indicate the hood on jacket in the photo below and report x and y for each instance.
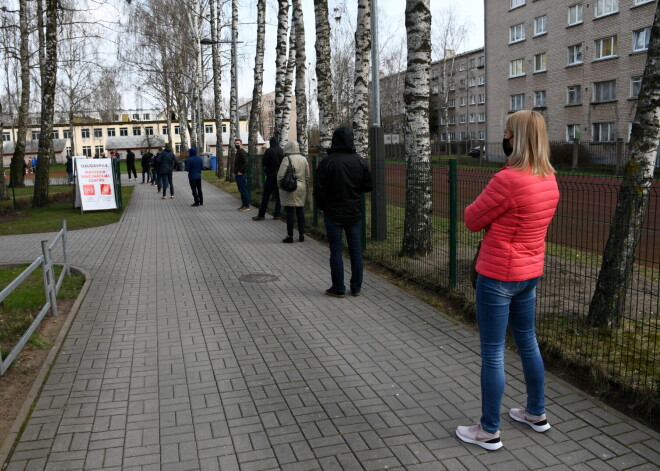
(342, 141)
(192, 151)
(274, 142)
(291, 147)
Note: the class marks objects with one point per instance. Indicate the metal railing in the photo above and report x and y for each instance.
(51, 287)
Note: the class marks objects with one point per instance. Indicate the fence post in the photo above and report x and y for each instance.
(67, 272)
(453, 221)
(49, 278)
(619, 156)
(576, 147)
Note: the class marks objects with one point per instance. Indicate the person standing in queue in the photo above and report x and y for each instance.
(240, 173)
(165, 169)
(193, 166)
(270, 162)
(130, 164)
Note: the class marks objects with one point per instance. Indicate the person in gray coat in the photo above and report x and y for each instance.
(294, 201)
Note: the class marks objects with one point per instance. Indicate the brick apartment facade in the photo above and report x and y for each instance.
(578, 63)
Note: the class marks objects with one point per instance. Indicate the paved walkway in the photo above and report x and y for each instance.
(176, 362)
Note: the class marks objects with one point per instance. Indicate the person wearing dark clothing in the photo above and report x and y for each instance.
(341, 179)
(194, 168)
(130, 164)
(271, 163)
(69, 167)
(155, 162)
(240, 171)
(165, 168)
(145, 163)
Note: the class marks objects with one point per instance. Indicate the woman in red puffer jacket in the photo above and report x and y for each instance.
(515, 209)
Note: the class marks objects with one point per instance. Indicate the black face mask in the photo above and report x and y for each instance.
(506, 147)
(237, 146)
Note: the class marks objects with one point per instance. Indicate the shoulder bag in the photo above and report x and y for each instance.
(289, 181)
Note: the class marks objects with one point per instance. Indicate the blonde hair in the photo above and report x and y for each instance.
(531, 149)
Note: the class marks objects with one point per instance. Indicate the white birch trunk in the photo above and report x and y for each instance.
(301, 76)
(16, 166)
(418, 213)
(3, 183)
(281, 63)
(288, 89)
(361, 82)
(257, 90)
(216, 20)
(323, 75)
(233, 132)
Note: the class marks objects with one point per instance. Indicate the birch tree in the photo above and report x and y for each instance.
(418, 213)
(3, 183)
(608, 303)
(216, 21)
(234, 132)
(301, 76)
(257, 89)
(285, 118)
(281, 63)
(361, 82)
(323, 75)
(48, 68)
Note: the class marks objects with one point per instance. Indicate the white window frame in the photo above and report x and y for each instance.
(473, 100)
(571, 131)
(177, 130)
(635, 86)
(451, 103)
(98, 132)
(471, 118)
(482, 117)
(462, 101)
(137, 131)
(600, 129)
(540, 25)
(517, 68)
(482, 135)
(66, 134)
(605, 7)
(452, 119)
(123, 131)
(517, 102)
(540, 62)
(87, 151)
(517, 33)
(164, 130)
(84, 133)
(644, 34)
(574, 92)
(540, 99)
(110, 132)
(578, 11)
(56, 134)
(575, 54)
(6, 136)
(462, 119)
(148, 130)
(604, 91)
(600, 46)
(482, 98)
(642, 2)
(516, 4)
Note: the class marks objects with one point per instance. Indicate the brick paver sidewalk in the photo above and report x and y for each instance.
(206, 343)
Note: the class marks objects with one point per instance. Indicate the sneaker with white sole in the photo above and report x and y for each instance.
(538, 422)
(476, 435)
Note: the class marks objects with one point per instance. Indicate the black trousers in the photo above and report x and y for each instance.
(196, 188)
(130, 167)
(299, 214)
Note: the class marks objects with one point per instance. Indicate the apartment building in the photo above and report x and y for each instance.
(267, 125)
(578, 63)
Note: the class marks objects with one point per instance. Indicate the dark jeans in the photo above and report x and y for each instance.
(299, 212)
(131, 169)
(165, 181)
(196, 187)
(270, 186)
(333, 231)
(155, 178)
(241, 183)
(148, 173)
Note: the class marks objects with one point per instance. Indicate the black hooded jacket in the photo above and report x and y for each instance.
(341, 178)
(272, 157)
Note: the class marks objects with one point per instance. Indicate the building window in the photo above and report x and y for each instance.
(115, 117)
(136, 116)
(177, 130)
(452, 86)
(517, 3)
(137, 131)
(87, 151)
(471, 118)
(98, 132)
(517, 102)
(575, 54)
(68, 151)
(461, 66)
(473, 63)
(462, 119)
(602, 132)
(517, 68)
(606, 7)
(473, 100)
(575, 14)
(451, 103)
(111, 132)
(123, 131)
(208, 128)
(472, 81)
(146, 116)
(481, 61)
(539, 99)
(35, 135)
(66, 134)
(452, 119)
(164, 131)
(473, 135)
(84, 133)
(572, 132)
(224, 127)
(177, 147)
(98, 150)
(517, 33)
(540, 62)
(462, 101)
(605, 91)
(452, 136)
(434, 89)
(56, 134)
(6, 137)
(605, 48)
(540, 25)
(482, 117)
(641, 39)
(434, 73)
(482, 135)
(482, 79)
(641, 2)
(482, 98)
(635, 86)
(574, 95)
(149, 131)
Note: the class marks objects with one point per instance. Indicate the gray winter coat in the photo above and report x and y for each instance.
(299, 163)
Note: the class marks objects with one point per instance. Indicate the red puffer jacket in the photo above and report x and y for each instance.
(516, 208)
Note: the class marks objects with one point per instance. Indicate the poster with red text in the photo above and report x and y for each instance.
(95, 189)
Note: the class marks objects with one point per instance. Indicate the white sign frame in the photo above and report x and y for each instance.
(95, 189)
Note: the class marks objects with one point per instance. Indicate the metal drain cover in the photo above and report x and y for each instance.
(258, 278)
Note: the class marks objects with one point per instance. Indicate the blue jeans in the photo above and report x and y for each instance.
(241, 183)
(270, 186)
(333, 231)
(502, 303)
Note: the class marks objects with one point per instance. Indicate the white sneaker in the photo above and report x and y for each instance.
(538, 422)
(476, 435)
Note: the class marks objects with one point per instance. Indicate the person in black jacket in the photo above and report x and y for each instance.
(165, 168)
(341, 179)
(271, 163)
(130, 164)
(240, 171)
(145, 163)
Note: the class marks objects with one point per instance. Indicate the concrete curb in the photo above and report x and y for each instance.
(14, 433)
